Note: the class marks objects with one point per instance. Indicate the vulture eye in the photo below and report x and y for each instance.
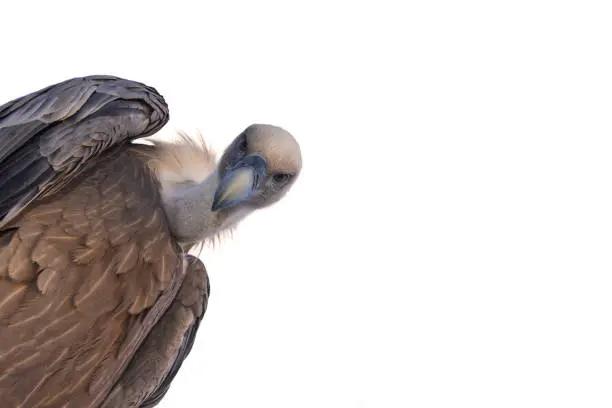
(281, 177)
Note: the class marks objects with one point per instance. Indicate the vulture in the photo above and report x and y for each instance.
(100, 300)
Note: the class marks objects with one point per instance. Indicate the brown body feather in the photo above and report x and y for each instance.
(82, 270)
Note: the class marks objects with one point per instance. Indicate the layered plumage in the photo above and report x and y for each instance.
(99, 301)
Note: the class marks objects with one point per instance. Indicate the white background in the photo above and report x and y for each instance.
(449, 242)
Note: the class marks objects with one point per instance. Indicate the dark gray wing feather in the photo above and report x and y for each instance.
(155, 398)
(188, 340)
(47, 137)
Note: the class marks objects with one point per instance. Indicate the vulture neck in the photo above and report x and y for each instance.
(189, 210)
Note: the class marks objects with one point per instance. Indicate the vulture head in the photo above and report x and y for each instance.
(256, 170)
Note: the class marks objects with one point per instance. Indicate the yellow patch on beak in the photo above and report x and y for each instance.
(240, 183)
(239, 186)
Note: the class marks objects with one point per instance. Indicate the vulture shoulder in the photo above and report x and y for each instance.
(87, 262)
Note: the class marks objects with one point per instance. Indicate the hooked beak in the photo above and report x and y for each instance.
(240, 182)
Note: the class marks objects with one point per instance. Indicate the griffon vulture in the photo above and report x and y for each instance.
(99, 300)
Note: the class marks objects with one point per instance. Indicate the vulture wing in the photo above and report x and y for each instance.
(193, 297)
(159, 358)
(49, 136)
(87, 262)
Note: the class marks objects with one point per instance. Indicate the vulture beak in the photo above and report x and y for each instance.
(240, 182)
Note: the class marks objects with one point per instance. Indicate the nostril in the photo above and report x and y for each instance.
(243, 145)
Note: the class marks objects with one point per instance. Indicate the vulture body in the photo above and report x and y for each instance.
(99, 300)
